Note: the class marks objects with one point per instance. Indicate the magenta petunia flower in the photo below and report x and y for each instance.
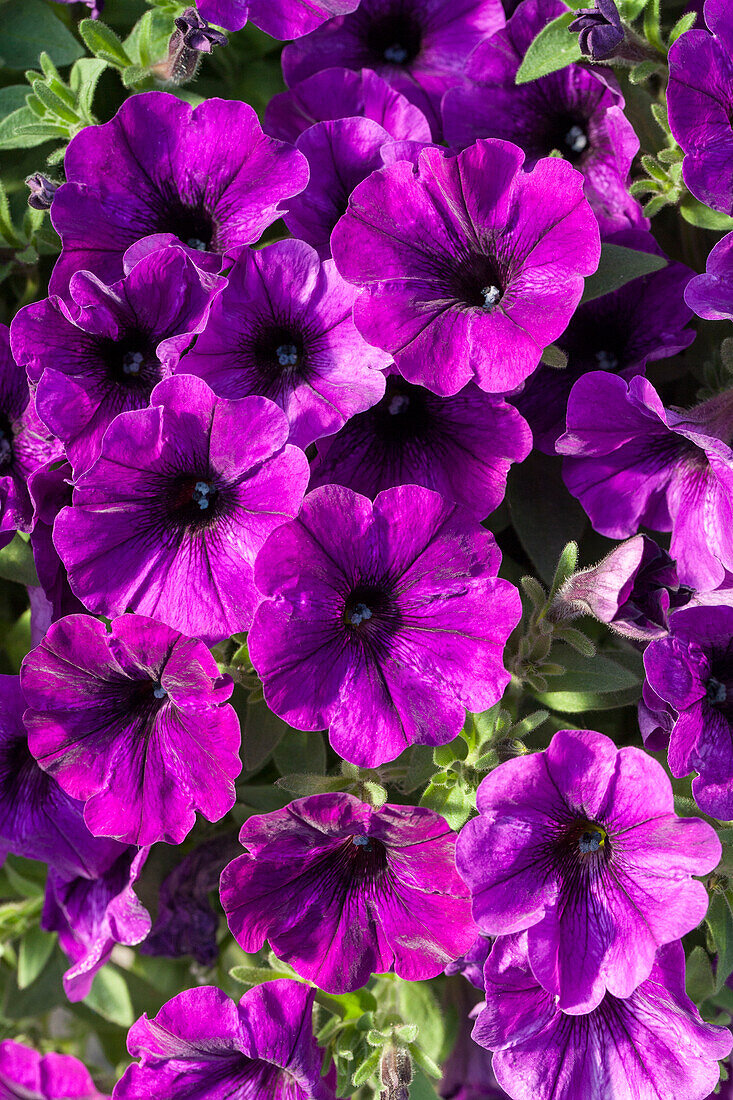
(169, 520)
(580, 845)
(134, 723)
(470, 265)
(50, 487)
(343, 93)
(25, 444)
(33, 1076)
(280, 18)
(37, 819)
(283, 328)
(691, 670)
(653, 1044)
(635, 462)
(382, 622)
(710, 295)
(92, 915)
(461, 446)
(621, 332)
(700, 105)
(202, 1044)
(419, 46)
(330, 869)
(103, 351)
(632, 590)
(207, 178)
(340, 154)
(574, 112)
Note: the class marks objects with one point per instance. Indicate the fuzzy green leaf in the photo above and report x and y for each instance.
(618, 267)
(553, 48)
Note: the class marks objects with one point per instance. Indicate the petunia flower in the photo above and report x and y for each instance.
(580, 846)
(381, 621)
(206, 178)
(103, 350)
(691, 671)
(283, 328)
(330, 870)
(344, 93)
(202, 1044)
(710, 295)
(420, 47)
(279, 18)
(92, 915)
(575, 113)
(134, 723)
(469, 265)
(700, 106)
(31, 1075)
(599, 30)
(652, 1044)
(461, 446)
(168, 521)
(633, 462)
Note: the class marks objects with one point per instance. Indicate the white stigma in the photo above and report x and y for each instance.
(287, 355)
(132, 362)
(396, 53)
(606, 360)
(576, 140)
(398, 404)
(360, 614)
(491, 296)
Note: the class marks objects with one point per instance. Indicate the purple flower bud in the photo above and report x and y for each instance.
(632, 590)
(192, 37)
(196, 32)
(599, 30)
(42, 191)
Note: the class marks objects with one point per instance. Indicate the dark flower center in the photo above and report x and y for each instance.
(131, 362)
(194, 501)
(276, 354)
(719, 685)
(370, 616)
(592, 839)
(395, 38)
(403, 414)
(367, 858)
(478, 282)
(192, 225)
(569, 136)
(580, 853)
(6, 442)
(606, 360)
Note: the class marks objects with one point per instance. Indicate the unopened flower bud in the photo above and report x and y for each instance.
(192, 37)
(42, 191)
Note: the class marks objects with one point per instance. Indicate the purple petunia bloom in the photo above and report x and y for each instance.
(653, 1044)
(691, 671)
(632, 590)
(599, 30)
(580, 845)
(343, 93)
(50, 487)
(283, 328)
(470, 265)
(420, 47)
(471, 965)
(461, 446)
(621, 332)
(186, 923)
(340, 154)
(37, 819)
(330, 869)
(25, 444)
(574, 112)
(282, 19)
(26, 1074)
(169, 519)
(92, 915)
(700, 105)
(467, 1072)
(393, 615)
(133, 722)
(202, 1044)
(207, 178)
(635, 462)
(103, 351)
(711, 295)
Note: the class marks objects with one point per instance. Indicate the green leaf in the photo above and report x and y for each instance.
(418, 1005)
(455, 802)
(54, 103)
(14, 127)
(544, 514)
(419, 767)
(719, 920)
(301, 751)
(619, 266)
(83, 82)
(16, 562)
(104, 43)
(27, 27)
(597, 683)
(109, 997)
(302, 785)
(261, 729)
(554, 357)
(553, 48)
(12, 99)
(566, 566)
(702, 216)
(257, 975)
(684, 23)
(421, 1088)
(699, 980)
(366, 1069)
(35, 951)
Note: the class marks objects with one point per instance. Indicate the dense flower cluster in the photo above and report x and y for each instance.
(308, 393)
